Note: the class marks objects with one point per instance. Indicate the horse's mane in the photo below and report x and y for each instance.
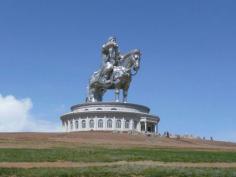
(126, 56)
(132, 52)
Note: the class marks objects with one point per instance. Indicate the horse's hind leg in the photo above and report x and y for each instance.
(117, 94)
(125, 91)
(91, 95)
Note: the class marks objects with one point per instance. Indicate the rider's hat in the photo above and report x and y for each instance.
(112, 39)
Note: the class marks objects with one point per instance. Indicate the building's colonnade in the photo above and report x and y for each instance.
(109, 124)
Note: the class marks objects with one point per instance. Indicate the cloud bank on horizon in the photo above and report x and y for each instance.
(15, 116)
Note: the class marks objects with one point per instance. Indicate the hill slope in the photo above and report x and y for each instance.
(115, 140)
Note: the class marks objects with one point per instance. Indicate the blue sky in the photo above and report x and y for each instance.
(49, 49)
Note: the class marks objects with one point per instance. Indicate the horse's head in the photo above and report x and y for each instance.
(136, 55)
(131, 61)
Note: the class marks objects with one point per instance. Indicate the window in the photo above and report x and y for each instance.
(118, 124)
(91, 123)
(113, 109)
(99, 109)
(109, 123)
(83, 124)
(71, 125)
(126, 124)
(100, 123)
(77, 124)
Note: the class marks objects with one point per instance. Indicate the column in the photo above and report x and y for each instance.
(156, 129)
(73, 122)
(122, 124)
(63, 126)
(80, 123)
(69, 125)
(145, 123)
(87, 124)
(114, 123)
(139, 126)
(105, 123)
(132, 124)
(95, 123)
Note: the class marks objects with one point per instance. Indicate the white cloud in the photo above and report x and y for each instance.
(15, 116)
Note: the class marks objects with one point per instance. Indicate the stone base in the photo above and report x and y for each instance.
(110, 116)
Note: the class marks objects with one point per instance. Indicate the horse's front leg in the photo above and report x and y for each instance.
(117, 94)
(125, 95)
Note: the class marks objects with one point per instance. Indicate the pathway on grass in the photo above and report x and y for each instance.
(119, 163)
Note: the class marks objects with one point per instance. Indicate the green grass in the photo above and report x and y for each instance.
(119, 171)
(98, 154)
(95, 154)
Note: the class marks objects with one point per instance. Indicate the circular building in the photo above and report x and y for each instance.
(110, 116)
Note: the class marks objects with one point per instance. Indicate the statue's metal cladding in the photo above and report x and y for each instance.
(115, 73)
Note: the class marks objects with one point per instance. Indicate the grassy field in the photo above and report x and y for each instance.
(98, 154)
(106, 154)
(115, 171)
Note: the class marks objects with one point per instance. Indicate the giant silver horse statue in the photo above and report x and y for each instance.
(115, 73)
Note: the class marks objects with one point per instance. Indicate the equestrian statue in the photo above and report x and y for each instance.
(115, 72)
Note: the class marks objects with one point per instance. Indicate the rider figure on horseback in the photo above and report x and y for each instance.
(114, 73)
(111, 57)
